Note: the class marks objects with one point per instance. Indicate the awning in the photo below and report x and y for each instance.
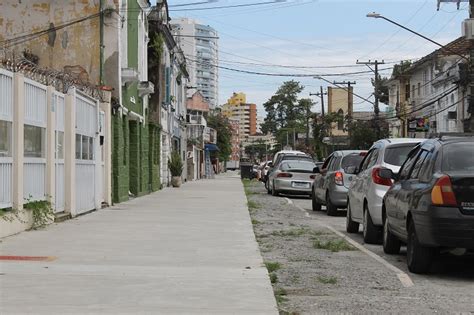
(211, 147)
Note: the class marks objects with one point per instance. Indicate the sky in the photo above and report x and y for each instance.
(319, 33)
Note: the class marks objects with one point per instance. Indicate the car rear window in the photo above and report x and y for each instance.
(397, 154)
(298, 165)
(458, 157)
(351, 160)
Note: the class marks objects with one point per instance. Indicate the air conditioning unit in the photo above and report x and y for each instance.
(145, 88)
(468, 29)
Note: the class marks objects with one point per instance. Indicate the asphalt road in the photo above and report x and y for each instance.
(449, 272)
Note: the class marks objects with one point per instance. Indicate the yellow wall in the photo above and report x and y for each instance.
(237, 98)
(338, 100)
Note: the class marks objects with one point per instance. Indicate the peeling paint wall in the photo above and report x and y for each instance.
(75, 48)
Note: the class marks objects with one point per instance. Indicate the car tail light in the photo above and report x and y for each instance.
(339, 178)
(442, 193)
(312, 176)
(379, 180)
(285, 175)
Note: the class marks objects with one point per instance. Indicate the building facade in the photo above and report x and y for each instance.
(430, 96)
(340, 101)
(200, 46)
(245, 113)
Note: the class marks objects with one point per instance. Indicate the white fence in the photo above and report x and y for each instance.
(50, 146)
(6, 139)
(34, 172)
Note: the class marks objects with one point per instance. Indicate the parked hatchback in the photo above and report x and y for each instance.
(332, 183)
(292, 177)
(368, 188)
(431, 203)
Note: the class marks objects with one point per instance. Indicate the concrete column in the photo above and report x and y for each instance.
(107, 146)
(51, 146)
(18, 138)
(70, 153)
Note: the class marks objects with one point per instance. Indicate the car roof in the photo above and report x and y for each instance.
(347, 152)
(392, 141)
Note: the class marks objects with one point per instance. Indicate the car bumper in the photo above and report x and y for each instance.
(338, 195)
(286, 186)
(444, 227)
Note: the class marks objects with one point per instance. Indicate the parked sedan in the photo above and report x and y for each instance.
(431, 203)
(332, 183)
(292, 177)
(368, 188)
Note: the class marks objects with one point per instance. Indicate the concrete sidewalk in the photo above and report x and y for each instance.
(189, 250)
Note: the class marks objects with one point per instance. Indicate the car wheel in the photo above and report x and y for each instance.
(267, 186)
(370, 231)
(274, 191)
(351, 226)
(419, 257)
(316, 205)
(391, 244)
(330, 208)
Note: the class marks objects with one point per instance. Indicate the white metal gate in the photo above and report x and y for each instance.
(34, 176)
(102, 137)
(59, 107)
(6, 138)
(87, 188)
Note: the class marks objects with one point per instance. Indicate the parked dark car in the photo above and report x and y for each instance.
(431, 202)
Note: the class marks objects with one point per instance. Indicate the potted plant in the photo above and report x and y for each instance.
(175, 164)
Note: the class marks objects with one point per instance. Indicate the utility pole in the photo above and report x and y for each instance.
(320, 94)
(376, 64)
(471, 76)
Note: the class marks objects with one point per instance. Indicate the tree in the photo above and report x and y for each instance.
(381, 88)
(224, 135)
(283, 107)
(363, 134)
(256, 150)
(321, 127)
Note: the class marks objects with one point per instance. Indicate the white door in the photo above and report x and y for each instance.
(87, 188)
(6, 138)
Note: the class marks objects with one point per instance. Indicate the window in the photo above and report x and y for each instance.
(458, 157)
(373, 158)
(326, 163)
(84, 147)
(397, 154)
(419, 162)
(351, 160)
(419, 89)
(340, 122)
(406, 167)
(59, 145)
(407, 91)
(5, 138)
(413, 91)
(34, 138)
(366, 160)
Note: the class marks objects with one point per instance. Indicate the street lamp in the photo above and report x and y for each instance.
(379, 16)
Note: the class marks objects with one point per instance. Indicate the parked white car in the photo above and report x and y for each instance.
(367, 189)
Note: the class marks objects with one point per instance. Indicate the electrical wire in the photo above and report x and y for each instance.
(230, 6)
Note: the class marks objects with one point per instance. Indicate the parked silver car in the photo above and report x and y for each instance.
(368, 188)
(332, 183)
(292, 177)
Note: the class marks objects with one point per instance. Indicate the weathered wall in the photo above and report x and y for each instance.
(338, 100)
(197, 102)
(74, 48)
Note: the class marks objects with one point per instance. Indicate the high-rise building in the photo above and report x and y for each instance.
(238, 109)
(200, 46)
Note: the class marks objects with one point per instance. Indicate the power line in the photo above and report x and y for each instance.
(231, 6)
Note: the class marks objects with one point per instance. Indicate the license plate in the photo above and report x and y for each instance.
(300, 185)
(468, 206)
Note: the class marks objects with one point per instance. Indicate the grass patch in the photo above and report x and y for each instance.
(327, 280)
(273, 278)
(333, 245)
(280, 295)
(255, 222)
(253, 205)
(292, 232)
(272, 266)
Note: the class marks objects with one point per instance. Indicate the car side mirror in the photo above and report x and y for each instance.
(316, 170)
(387, 173)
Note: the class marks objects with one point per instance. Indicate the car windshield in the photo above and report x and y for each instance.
(458, 157)
(397, 154)
(351, 160)
(298, 165)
